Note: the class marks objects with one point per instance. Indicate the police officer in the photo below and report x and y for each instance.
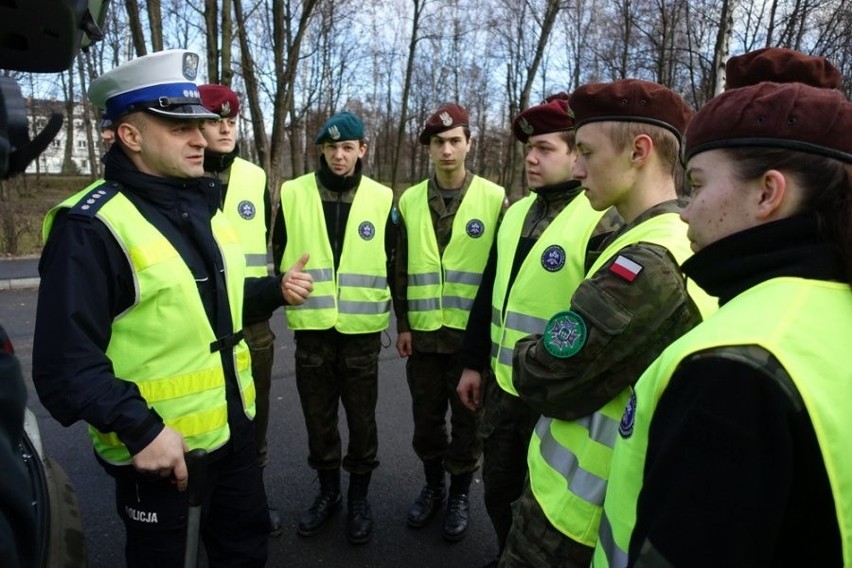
(537, 259)
(734, 450)
(632, 304)
(138, 322)
(245, 202)
(343, 218)
(447, 225)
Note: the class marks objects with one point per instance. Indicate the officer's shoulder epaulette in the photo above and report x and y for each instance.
(89, 205)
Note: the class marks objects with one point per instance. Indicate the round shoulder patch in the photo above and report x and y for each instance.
(628, 419)
(246, 209)
(475, 228)
(565, 334)
(553, 258)
(366, 230)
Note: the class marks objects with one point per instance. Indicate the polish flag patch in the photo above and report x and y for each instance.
(625, 268)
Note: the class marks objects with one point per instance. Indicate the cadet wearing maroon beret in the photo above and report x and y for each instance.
(735, 450)
(633, 302)
(447, 226)
(538, 261)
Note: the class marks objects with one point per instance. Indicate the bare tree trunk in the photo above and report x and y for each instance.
(227, 40)
(723, 44)
(419, 5)
(88, 120)
(136, 27)
(155, 21)
(211, 29)
(770, 29)
(552, 10)
(68, 167)
(261, 140)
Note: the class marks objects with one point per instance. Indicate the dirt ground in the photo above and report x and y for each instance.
(24, 200)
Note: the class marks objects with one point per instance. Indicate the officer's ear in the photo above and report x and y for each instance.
(129, 132)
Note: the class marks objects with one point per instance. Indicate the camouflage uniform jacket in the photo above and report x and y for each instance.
(629, 324)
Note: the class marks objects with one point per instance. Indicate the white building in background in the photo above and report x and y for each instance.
(50, 161)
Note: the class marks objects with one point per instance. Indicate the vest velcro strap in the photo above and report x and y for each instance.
(320, 274)
(460, 277)
(363, 281)
(425, 279)
(227, 342)
(257, 259)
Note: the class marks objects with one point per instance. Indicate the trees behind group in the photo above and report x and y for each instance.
(295, 62)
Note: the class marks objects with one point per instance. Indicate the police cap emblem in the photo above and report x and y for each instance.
(246, 209)
(366, 230)
(190, 65)
(475, 228)
(565, 334)
(553, 258)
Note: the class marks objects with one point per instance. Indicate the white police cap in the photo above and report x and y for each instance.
(162, 83)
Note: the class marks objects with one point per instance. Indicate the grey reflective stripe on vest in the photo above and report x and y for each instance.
(459, 277)
(495, 347)
(496, 317)
(458, 303)
(425, 279)
(523, 323)
(363, 308)
(320, 274)
(317, 303)
(584, 484)
(255, 259)
(615, 557)
(426, 305)
(362, 281)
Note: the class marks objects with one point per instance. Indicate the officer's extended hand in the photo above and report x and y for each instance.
(470, 389)
(164, 457)
(403, 343)
(296, 285)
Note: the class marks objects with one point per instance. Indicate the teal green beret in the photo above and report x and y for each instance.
(342, 126)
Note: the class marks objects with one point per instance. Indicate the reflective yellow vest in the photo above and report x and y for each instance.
(356, 298)
(162, 343)
(569, 462)
(245, 208)
(441, 288)
(545, 282)
(806, 325)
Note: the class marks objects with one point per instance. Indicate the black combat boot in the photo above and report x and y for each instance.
(359, 525)
(324, 504)
(455, 518)
(432, 495)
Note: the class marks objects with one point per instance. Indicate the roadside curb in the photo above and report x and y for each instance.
(19, 283)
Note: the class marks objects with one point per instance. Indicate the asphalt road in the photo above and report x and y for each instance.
(290, 484)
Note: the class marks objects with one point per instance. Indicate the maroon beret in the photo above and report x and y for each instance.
(553, 115)
(780, 65)
(779, 115)
(446, 117)
(631, 100)
(220, 99)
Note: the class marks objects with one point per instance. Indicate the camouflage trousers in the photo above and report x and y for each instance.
(261, 343)
(506, 427)
(334, 368)
(535, 543)
(432, 381)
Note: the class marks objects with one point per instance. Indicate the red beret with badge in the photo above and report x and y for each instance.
(631, 100)
(447, 117)
(220, 99)
(553, 115)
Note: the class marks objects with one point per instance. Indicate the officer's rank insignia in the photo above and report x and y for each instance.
(525, 126)
(190, 65)
(475, 228)
(366, 230)
(625, 268)
(246, 209)
(446, 119)
(625, 428)
(553, 258)
(334, 132)
(565, 334)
